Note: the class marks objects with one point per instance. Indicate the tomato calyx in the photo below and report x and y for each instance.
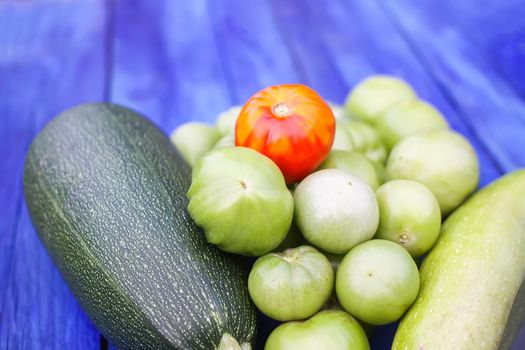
(282, 110)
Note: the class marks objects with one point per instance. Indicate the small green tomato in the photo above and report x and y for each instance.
(406, 118)
(227, 140)
(342, 139)
(380, 169)
(354, 163)
(292, 285)
(239, 197)
(335, 210)
(408, 215)
(366, 140)
(193, 140)
(339, 111)
(442, 160)
(377, 282)
(375, 95)
(225, 123)
(327, 330)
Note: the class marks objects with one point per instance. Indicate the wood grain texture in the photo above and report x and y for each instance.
(179, 60)
(51, 58)
(168, 64)
(487, 104)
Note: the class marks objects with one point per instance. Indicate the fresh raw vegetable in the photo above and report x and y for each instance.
(293, 239)
(406, 118)
(342, 139)
(380, 169)
(442, 160)
(353, 163)
(291, 124)
(106, 191)
(408, 215)
(375, 95)
(366, 140)
(239, 197)
(194, 139)
(330, 330)
(227, 140)
(292, 285)
(339, 111)
(469, 280)
(335, 210)
(377, 281)
(225, 123)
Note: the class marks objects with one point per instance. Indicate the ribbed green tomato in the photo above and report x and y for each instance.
(327, 330)
(408, 215)
(239, 197)
(407, 118)
(342, 139)
(292, 285)
(373, 96)
(335, 210)
(193, 140)
(442, 160)
(227, 140)
(353, 163)
(365, 140)
(339, 111)
(377, 281)
(225, 123)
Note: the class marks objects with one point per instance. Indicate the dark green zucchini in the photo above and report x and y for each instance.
(106, 192)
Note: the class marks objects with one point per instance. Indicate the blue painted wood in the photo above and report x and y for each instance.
(168, 64)
(252, 47)
(51, 58)
(484, 100)
(353, 36)
(177, 61)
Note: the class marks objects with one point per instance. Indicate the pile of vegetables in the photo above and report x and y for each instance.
(338, 204)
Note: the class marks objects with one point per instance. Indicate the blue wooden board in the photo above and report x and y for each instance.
(177, 61)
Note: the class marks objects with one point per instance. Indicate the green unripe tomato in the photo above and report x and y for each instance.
(239, 197)
(225, 123)
(353, 163)
(328, 330)
(227, 140)
(193, 140)
(408, 215)
(373, 96)
(406, 118)
(342, 139)
(339, 111)
(366, 140)
(442, 160)
(292, 285)
(380, 169)
(335, 210)
(377, 282)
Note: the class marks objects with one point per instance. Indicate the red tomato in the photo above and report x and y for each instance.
(291, 124)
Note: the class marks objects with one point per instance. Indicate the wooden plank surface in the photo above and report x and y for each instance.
(177, 61)
(490, 108)
(51, 58)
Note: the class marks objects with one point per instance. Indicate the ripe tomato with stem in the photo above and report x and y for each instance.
(291, 124)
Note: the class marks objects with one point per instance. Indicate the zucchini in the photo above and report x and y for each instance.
(106, 192)
(471, 278)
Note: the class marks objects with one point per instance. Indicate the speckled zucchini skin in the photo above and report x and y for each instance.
(106, 192)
